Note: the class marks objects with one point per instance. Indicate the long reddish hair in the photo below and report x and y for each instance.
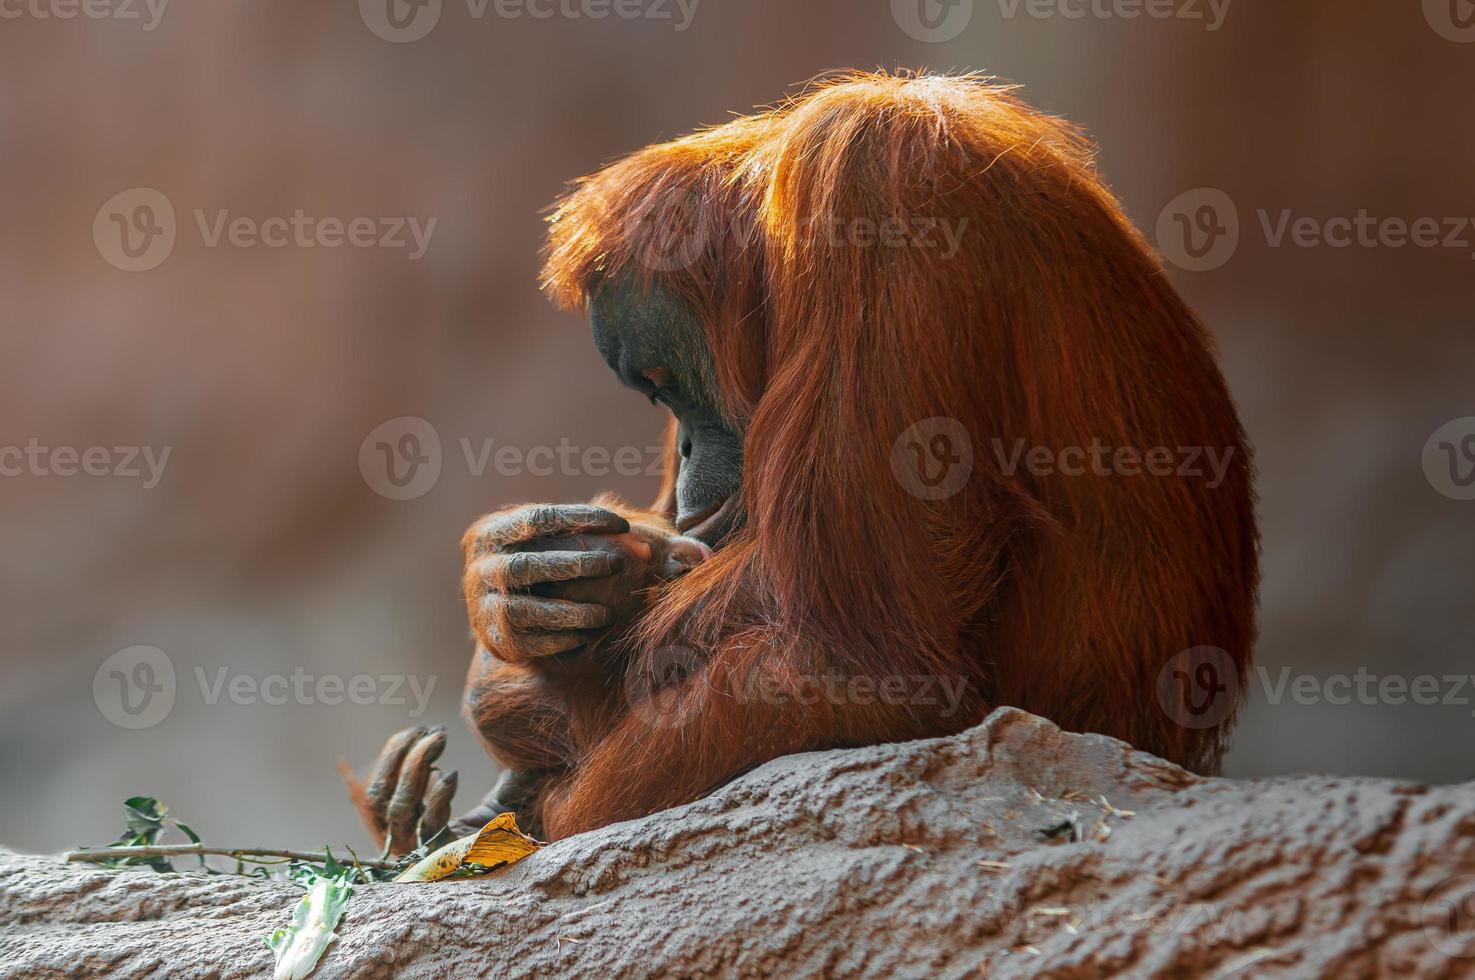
(1053, 324)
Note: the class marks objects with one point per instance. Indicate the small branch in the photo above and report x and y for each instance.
(191, 850)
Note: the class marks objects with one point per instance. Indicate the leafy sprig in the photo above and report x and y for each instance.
(146, 821)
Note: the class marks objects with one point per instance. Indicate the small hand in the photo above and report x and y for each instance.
(406, 801)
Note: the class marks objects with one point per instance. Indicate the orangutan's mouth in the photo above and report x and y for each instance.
(700, 524)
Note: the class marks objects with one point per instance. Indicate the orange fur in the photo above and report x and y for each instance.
(1053, 323)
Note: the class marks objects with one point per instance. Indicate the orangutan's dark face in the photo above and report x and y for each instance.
(655, 345)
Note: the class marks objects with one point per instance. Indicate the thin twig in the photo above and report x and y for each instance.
(190, 850)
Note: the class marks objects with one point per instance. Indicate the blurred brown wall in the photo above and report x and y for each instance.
(263, 550)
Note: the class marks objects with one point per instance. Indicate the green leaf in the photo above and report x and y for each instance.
(185, 829)
(144, 820)
(298, 947)
(144, 816)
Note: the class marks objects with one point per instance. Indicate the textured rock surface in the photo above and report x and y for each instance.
(866, 862)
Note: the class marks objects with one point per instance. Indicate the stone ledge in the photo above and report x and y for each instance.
(864, 862)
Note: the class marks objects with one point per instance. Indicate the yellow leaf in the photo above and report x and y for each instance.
(497, 845)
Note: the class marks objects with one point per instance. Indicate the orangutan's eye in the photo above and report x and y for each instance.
(659, 377)
(661, 384)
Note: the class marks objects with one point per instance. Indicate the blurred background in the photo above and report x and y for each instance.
(260, 546)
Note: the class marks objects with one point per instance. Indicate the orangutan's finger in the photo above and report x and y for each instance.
(385, 777)
(404, 810)
(437, 804)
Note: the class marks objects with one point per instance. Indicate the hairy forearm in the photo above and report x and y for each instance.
(522, 721)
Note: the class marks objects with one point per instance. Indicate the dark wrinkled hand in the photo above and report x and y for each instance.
(515, 560)
(406, 801)
(515, 793)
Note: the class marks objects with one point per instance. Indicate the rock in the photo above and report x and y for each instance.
(1014, 847)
